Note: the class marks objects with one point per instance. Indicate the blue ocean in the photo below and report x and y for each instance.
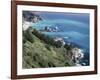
(73, 27)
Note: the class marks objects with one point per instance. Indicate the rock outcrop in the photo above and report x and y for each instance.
(28, 18)
(51, 29)
(77, 55)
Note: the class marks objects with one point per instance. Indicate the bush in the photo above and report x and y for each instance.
(48, 47)
(58, 44)
(27, 35)
(68, 47)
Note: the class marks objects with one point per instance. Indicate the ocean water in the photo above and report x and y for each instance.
(72, 27)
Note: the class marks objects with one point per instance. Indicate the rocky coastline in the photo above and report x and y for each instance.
(74, 52)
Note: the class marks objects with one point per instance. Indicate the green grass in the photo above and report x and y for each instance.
(38, 54)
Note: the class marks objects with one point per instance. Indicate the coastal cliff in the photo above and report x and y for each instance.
(29, 18)
(37, 53)
(42, 51)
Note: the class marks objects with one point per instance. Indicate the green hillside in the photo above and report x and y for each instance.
(37, 53)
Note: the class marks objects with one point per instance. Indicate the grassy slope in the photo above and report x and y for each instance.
(38, 54)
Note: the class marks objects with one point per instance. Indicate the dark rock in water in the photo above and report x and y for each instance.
(51, 29)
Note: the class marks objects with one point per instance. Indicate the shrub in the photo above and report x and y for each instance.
(28, 35)
(48, 47)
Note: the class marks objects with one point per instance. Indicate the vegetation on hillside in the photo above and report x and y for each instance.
(41, 51)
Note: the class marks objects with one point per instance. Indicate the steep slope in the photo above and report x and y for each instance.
(38, 54)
